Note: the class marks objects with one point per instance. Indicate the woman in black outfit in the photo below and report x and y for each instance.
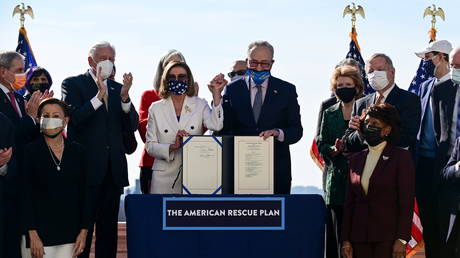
(56, 195)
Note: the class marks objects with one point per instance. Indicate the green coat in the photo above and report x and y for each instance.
(333, 126)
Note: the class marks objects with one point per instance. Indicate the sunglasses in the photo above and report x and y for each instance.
(179, 77)
(240, 72)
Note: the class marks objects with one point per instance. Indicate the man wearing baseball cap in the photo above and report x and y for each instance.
(436, 63)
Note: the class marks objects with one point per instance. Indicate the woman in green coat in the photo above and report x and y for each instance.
(347, 85)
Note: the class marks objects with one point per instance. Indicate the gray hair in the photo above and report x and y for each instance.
(162, 64)
(98, 45)
(261, 43)
(348, 61)
(7, 57)
(387, 59)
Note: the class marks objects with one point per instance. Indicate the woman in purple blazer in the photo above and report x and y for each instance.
(380, 197)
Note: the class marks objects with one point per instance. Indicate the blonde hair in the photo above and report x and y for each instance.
(350, 72)
(163, 91)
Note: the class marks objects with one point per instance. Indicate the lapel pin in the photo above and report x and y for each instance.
(187, 109)
(275, 91)
(111, 88)
(385, 157)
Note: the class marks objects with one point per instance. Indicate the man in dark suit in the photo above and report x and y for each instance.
(266, 106)
(446, 112)
(21, 116)
(381, 74)
(6, 151)
(101, 111)
(436, 56)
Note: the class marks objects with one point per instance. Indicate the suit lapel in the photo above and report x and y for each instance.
(169, 114)
(7, 104)
(360, 170)
(187, 111)
(392, 97)
(243, 92)
(112, 95)
(379, 169)
(270, 95)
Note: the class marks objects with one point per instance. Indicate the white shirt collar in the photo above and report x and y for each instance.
(247, 78)
(442, 79)
(387, 92)
(94, 77)
(4, 88)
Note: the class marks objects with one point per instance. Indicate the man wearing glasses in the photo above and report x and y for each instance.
(238, 70)
(266, 106)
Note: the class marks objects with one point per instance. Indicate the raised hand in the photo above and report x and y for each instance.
(5, 155)
(33, 103)
(102, 90)
(127, 83)
(216, 86)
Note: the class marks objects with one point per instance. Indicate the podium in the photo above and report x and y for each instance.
(302, 234)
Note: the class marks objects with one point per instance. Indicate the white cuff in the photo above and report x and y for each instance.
(96, 102)
(126, 107)
(3, 170)
(457, 167)
(280, 137)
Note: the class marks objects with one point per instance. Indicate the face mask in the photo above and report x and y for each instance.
(372, 135)
(107, 68)
(429, 67)
(378, 80)
(49, 124)
(258, 77)
(42, 87)
(237, 77)
(455, 75)
(177, 87)
(346, 94)
(19, 81)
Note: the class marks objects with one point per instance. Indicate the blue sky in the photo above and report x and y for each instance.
(309, 39)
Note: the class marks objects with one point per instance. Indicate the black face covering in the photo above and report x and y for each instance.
(372, 135)
(42, 87)
(53, 135)
(346, 94)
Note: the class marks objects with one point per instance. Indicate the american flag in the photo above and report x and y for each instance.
(419, 78)
(355, 54)
(25, 49)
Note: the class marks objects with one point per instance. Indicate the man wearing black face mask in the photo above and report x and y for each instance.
(266, 106)
(436, 62)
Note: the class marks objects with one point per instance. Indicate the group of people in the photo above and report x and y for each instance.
(63, 161)
(386, 149)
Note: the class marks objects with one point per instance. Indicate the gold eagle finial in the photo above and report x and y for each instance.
(22, 11)
(353, 10)
(434, 11)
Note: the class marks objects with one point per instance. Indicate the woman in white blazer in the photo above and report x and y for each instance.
(179, 113)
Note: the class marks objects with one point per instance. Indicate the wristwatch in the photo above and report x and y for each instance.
(404, 242)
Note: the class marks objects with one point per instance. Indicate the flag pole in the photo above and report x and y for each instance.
(434, 11)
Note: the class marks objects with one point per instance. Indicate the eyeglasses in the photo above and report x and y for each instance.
(240, 72)
(180, 77)
(264, 65)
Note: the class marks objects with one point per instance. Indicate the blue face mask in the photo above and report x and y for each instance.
(429, 67)
(258, 77)
(177, 87)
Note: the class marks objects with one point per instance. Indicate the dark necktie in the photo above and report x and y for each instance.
(257, 106)
(13, 103)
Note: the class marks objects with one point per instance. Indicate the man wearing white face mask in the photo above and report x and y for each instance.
(435, 62)
(381, 75)
(101, 112)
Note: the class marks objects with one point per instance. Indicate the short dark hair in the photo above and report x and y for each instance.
(53, 101)
(163, 92)
(446, 56)
(389, 115)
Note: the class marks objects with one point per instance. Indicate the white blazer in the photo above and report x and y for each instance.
(162, 128)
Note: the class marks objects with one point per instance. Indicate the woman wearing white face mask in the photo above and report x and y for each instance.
(55, 190)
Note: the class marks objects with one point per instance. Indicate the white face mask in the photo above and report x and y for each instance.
(378, 80)
(237, 77)
(455, 75)
(50, 123)
(107, 68)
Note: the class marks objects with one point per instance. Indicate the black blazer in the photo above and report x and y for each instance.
(408, 106)
(56, 203)
(6, 141)
(280, 110)
(100, 131)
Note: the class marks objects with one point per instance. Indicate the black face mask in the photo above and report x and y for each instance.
(372, 135)
(42, 87)
(346, 94)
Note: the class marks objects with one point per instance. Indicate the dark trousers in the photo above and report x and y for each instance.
(146, 178)
(426, 183)
(333, 230)
(2, 216)
(373, 250)
(11, 228)
(452, 249)
(105, 207)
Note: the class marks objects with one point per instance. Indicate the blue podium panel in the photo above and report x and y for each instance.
(302, 237)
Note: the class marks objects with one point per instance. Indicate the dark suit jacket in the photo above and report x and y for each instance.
(408, 106)
(280, 110)
(324, 105)
(100, 131)
(25, 131)
(385, 213)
